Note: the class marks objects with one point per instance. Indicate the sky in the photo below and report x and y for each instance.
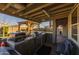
(44, 24)
(11, 20)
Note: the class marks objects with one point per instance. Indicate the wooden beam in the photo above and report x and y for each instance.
(61, 10)
(43, 17)
(5, 12)
(7, 6)
(57, 11)
(60, 6)
(56, 16)
(74, 7)
(49, 17)
(39, 16)
(46, 13)
(28, 5)
(35, 20)
(36, 14)
(43, 11)
(61, 15)
(38, 8)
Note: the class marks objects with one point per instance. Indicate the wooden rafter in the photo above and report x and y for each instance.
(39, 16)
(42, 17)
(46, 13)
(36, 14)
(61, 15)
(38, 8)
(54, 15)
(28, 5)
(60, 6)
(61, 10)
(54, 12)
(7, 6)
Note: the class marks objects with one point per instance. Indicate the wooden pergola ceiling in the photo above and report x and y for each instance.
(36, 11)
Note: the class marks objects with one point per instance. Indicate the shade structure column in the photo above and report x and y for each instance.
(78, 24)
(69, 26)
(19, 27)
(29, 27)
(38, 25)
(54, 31)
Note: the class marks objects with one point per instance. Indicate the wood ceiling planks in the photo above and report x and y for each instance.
(33, 11)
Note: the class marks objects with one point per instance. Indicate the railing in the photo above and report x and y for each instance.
(69, 47)
(32, 45)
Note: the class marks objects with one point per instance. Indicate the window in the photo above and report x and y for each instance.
(74, 24)
(74, 32)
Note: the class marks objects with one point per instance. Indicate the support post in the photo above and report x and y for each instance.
(69, 26)
(19, 27)
(38, 25)
(78, 24)
(48, 15)
(3, 31)
(54, 31)
(78, 28)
